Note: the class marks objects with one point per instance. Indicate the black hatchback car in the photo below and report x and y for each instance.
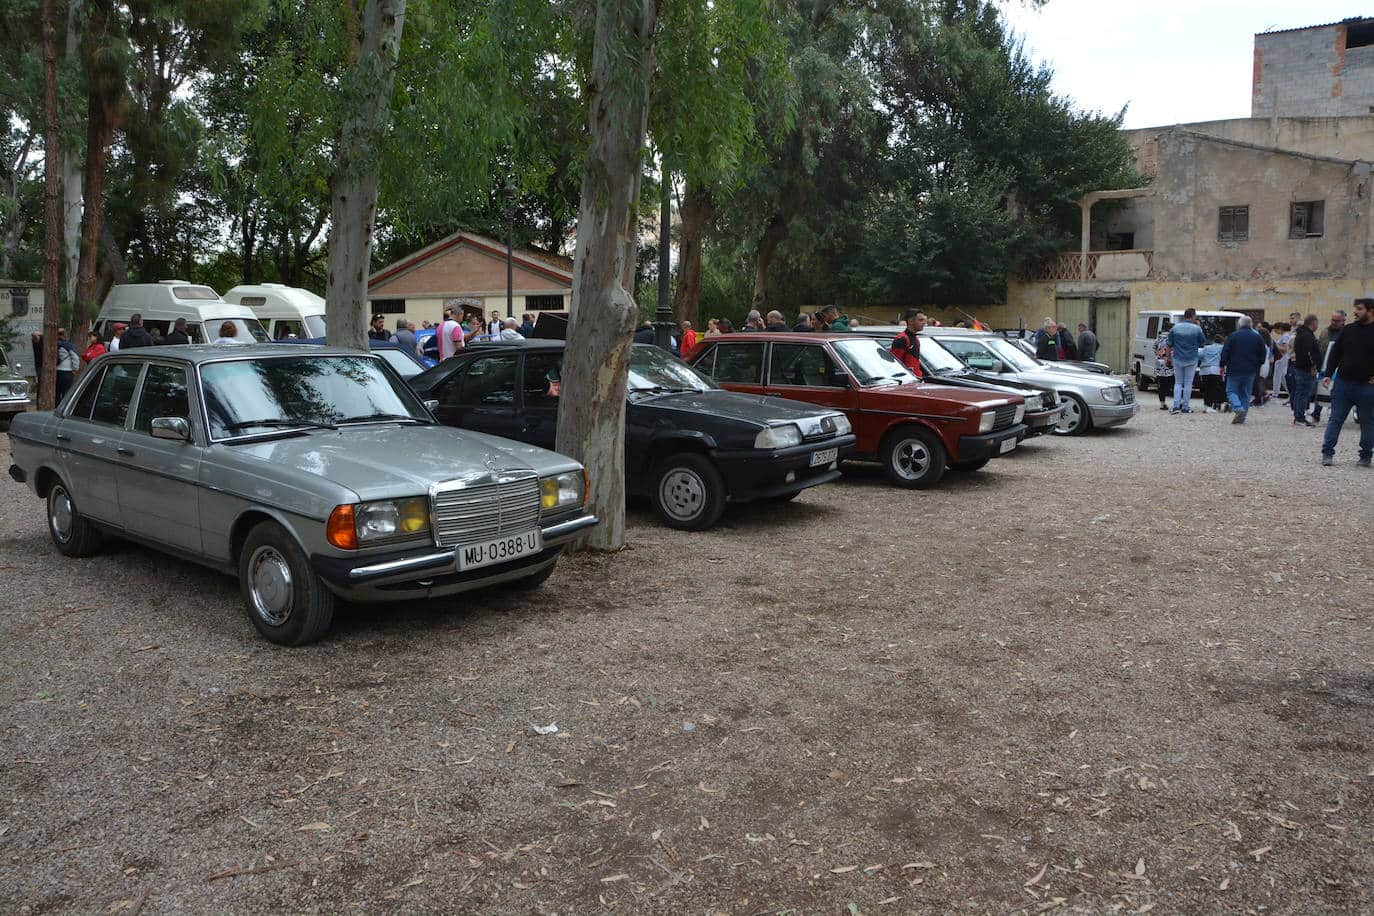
(689, 447)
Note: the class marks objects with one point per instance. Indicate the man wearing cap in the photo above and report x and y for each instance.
(116, 336)
(136, 335)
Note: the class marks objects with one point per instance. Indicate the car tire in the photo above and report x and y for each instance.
(913, 457)
(969, 466)
(688, 492)
(287, 602)
(530, 583)
(72, 533)
(1142, 382)
(1076, 419)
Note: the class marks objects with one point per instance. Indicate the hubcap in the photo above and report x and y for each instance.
(60, 514)
(269, 582)
(911, 459)
(1073, 415)
(682, 493)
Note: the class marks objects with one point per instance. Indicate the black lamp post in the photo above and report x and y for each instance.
(508, 192)
(663, 315)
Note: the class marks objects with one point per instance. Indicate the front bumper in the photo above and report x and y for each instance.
(424, 571)
(762, 473)
(1113, 415)
(988, 445)
(13, 406)
(1041, 422)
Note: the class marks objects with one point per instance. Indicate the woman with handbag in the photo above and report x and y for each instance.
(1164, 366)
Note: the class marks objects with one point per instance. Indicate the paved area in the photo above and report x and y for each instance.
(1128, 672)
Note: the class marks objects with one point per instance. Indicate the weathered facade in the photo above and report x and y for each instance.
(1318, 71)
(471, 269)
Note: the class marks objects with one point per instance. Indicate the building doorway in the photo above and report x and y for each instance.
(1108, 319)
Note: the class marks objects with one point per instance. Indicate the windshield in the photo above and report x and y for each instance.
(1012, 355)
(248, 329)
(405, 366)
(248, 397)
(654, 371)
(314, 325)
(938, 358)
(872, 363)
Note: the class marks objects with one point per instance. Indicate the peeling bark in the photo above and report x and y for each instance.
(71, 177)
(773, 235)
(52, 214)
(353, 190)
(104, 99)
(591, 411)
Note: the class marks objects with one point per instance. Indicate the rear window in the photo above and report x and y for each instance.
(741, 363)
(194, 292)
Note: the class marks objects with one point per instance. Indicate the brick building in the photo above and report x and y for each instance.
(469, 270)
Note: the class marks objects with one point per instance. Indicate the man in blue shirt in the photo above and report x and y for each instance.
(1241, 358)
(1185, 339)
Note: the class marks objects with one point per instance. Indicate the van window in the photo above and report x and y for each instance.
(283, 328)
(253, 301)
(249, 329)
(1152, 328)
(314, 326)
(195, 292)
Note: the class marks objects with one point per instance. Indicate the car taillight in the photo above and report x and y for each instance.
(340, 530)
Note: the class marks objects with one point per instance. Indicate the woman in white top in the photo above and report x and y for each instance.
(228, 334)
(1285, 345)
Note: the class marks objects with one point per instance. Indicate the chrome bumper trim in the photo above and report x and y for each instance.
(399, 566)
(564, 530)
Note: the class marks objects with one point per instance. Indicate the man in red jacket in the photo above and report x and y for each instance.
(906, 346)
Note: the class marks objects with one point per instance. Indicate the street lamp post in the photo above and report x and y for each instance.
(508, 192)
(663, 315)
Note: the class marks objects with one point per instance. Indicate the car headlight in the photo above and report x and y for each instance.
(784, 436)
(987, 421)
(1020, 412)
(391, 519)
(1112, 395)
(1035, 402)
(14, 389)
(842, 425)
(563, 491)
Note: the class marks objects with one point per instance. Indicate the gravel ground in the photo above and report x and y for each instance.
(1120, 673)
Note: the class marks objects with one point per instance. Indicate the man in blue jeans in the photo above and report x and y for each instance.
(1185, 339)
(1241, 358)
(1302, 369)
(1353, 359)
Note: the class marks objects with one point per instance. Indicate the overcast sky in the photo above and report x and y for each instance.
(1171, 61)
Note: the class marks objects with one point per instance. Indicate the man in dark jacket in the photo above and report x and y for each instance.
(1324, 341)
(1352, 358)
(1087, 343)
(1302, 370)
(178, 334)
(136, 335)
(775, 322)
(1241, 358)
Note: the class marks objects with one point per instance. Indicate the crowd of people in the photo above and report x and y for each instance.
(1254, 366)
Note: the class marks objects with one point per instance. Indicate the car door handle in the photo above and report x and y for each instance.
(126, 452)
(62, 437)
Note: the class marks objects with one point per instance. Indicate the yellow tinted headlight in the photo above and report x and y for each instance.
(414, 515)
(548, 493)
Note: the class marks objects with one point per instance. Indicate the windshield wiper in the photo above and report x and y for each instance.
(278, 423)
(372, 417)
(660, 389)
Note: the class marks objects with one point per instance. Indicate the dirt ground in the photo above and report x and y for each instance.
(1128, 672)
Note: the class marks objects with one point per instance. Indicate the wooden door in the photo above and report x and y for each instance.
(1072, 313)
(1111, 323)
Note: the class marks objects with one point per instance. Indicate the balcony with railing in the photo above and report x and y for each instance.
(1132, 264)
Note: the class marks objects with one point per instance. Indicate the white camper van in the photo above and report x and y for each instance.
(1150, 324)
(162, 303)
(285, 311)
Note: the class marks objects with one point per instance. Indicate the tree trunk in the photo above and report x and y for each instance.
(697, 209)
(52, 214)
(105, 95)
(773, 234)
(71, 177)
(353, 191)
(591, 411)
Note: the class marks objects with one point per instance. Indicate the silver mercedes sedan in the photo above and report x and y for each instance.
(312, 474)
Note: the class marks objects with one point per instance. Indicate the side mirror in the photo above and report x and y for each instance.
(175, 428)
(432, 404)
(998, 366)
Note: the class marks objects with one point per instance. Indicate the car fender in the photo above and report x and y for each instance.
(950, 440)
(247, 518)
(667, 441)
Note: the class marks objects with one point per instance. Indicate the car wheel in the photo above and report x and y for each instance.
(968, 466)
(286, 601)
(72, 533)
(688, 492)
(913, 457)
(529, 583)
(1142, 382)
(1075, 418)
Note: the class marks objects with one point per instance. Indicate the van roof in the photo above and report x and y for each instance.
(278, 295)
(166, 300)
(1214, 313)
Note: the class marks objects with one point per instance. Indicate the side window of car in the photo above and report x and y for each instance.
(803, 365)
(966, 350)
(164, 394)
(115, 394)
(541, 379)
(488, 382)
(741, 363)
(283, 328)
(82, 408)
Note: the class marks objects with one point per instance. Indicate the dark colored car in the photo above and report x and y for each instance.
(915, 429)
(941, 367)
(689, 446)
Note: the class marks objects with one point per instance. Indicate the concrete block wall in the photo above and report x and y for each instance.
(1307, 73)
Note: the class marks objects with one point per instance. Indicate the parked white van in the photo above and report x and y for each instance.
(1150, 324)
(285, 311)
(162, 303)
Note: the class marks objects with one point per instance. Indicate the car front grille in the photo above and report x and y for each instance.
(479, 512)
(1004, 417)
(1128, 394)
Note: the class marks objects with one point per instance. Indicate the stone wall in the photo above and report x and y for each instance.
(1313, 72)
